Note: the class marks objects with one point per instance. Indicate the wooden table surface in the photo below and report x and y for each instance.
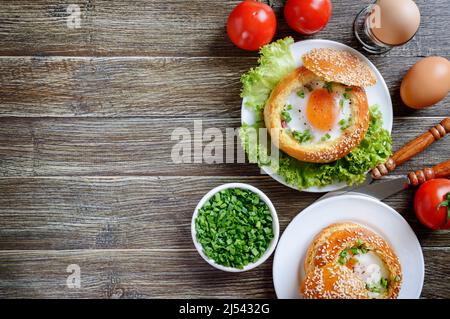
(86, 117)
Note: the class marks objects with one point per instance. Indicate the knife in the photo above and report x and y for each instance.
(385, 189)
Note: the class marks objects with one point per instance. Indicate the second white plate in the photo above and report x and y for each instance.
(377, 94)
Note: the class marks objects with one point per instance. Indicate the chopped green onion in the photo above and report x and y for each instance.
(328, 86)
(325, 137)
(301, 94)
(285, 116)
(446, 203)
(384, 283)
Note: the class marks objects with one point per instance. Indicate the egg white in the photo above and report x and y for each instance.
(299, 121)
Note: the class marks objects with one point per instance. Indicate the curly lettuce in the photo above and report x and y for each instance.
(276, 61)
(351, 169)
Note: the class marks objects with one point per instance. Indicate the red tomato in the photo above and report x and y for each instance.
(426, 201)
(251, 25)
(307, 16)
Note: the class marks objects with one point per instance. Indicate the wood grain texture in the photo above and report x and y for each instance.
(154, 273)
(131, 86)
(143, 146)
(156, 28)
(137, 212)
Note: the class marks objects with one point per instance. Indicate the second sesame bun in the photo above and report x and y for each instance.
(333, 282)
(328, 244)
(339, 66)
(323, 152)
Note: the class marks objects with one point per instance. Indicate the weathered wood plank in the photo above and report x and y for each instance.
(143, 146)
(136, 212)
(169, 87)
(155, 273)
(156, 28)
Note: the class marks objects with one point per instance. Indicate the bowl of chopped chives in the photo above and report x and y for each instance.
(235, 227)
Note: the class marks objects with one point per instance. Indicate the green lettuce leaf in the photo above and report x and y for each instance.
(275, 62)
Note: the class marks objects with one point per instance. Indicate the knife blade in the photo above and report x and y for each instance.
(385, 189)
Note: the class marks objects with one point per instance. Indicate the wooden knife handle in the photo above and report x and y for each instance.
(441, 170)
(412, 148)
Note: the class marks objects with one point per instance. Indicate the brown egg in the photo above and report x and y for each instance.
(426, 83)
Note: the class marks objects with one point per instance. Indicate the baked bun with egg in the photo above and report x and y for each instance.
(328, 91)
(322, 112)
(352, 255)
(339, 66)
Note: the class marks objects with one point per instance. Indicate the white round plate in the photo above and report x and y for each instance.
(290, 256)
(377, 94)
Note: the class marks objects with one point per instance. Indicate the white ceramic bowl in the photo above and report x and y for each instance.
(377, 94)
(275, 226)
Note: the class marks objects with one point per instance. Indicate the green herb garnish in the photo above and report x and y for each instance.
(384, 283)
(397, 278)
(309, 87)
(285, 116)
(325, 137)
(446, 203)
(341, 104)
(355, 251)
(342, 257)
(373, 288)
(301, 94)
(348, 89)
(289, 107)
(234, 227)
(345, 124)
(302, 137)
(346, 96)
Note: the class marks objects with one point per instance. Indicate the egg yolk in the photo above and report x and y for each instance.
(321, 110)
